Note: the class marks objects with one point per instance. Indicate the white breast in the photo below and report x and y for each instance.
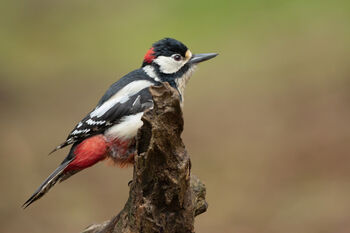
(182, 81)
(126, 129)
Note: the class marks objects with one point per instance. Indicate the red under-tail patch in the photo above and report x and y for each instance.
(122, 151)
(88, 152)
(149, 55)
(122, 163)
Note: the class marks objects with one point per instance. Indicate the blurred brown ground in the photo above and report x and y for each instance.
(266, 122)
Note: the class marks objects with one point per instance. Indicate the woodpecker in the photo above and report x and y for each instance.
(109, 130)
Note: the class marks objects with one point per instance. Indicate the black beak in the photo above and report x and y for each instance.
(197, 58)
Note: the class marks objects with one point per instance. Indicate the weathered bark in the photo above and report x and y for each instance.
(163, 197)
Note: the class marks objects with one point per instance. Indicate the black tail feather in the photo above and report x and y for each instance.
(63, 144)
(48, 183)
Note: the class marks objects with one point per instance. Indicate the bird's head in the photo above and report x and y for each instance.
(170, 60)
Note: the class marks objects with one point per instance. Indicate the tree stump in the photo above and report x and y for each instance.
(164, 196)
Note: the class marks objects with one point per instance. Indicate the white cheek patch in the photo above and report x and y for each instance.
(168, 65)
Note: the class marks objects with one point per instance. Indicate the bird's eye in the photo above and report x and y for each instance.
(177, 57)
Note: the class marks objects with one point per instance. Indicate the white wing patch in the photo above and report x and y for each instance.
(78, 131)
(121, 96)
(127, 128)
(136, 100)
(92, 122)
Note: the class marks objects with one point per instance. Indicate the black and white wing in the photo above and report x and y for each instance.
(123, 98)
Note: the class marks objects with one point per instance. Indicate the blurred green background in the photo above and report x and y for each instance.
(266, 122)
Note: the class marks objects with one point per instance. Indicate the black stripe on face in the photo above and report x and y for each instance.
(170, 77)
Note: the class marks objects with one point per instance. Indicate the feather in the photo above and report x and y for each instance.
(48, 183)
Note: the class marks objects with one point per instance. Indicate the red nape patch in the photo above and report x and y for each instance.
(149, 56)
(88, 152)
